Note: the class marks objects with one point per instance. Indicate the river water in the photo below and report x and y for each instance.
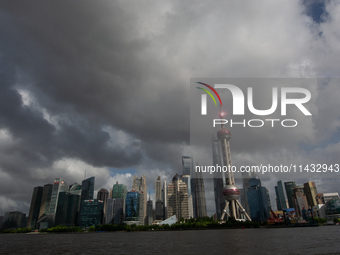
(307, 240)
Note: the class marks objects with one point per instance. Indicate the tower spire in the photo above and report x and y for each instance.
(231, 192)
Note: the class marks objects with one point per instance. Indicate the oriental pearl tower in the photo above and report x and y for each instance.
(231, 192)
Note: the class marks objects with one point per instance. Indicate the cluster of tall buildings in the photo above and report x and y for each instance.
(306, 198)
(255, 198)
(59, 204)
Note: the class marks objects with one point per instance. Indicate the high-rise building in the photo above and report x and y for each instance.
(158, 189)
(109, 211)
(103, 195)
(132, 206)
(110, 193)
(218, 176)
(258, 200)
(59, 185)
(165, 200)
(300, 200)
(87, 189)
(114, 211)
(244, 197)
(14, 219)
(119, 191)
(91, 213)
(310, 190)
(159, 199)
(139, 184)
(61, 211)
(269, 203)
(35, 207)
(118, 210)
(280, 195)
(149, 212)
(289, 191)
(199, 204)
(73, 207)
(159, 210)
(46, 200)
(178, 198)
(187, 165)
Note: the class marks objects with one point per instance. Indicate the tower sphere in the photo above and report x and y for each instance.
(231, 192)
(223, 133)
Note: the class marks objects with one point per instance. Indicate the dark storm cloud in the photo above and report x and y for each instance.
(84, 68)
(89, 85)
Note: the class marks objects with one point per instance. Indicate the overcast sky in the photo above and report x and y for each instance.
(103, 86)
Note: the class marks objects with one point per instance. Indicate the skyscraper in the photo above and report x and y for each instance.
(35, 207)
(199, 205)
(165, 200)
(258, 201)
(139, 184)
(158, 190)
(132, 206)
(310, 190)
(244, 197)
(91, 213)
(87, 189)
(149, 212)
(178, 198)
(61, 210)
(103, 195)
(187, 165)
(114, 211)
(119, 191)
(159, 199)
(46, 200)
(280, 195)
(300, 200)
(289, 191)
(59, 185)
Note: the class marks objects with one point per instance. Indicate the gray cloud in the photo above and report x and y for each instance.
(101, 85)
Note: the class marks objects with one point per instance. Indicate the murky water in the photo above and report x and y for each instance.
(314, 240)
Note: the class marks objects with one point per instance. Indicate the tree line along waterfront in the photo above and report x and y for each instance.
(188, 224)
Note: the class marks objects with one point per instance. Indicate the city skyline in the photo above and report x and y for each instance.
(103, 89)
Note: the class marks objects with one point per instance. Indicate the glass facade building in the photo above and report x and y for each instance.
(258, 201)
(59, 185)
(132, 206)
(119, 191)
(91, 213)
(103, 195)
(87, 189)
(280, 195)
(35, 207)
(290, 192)
(67, 209)
(46, 200)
